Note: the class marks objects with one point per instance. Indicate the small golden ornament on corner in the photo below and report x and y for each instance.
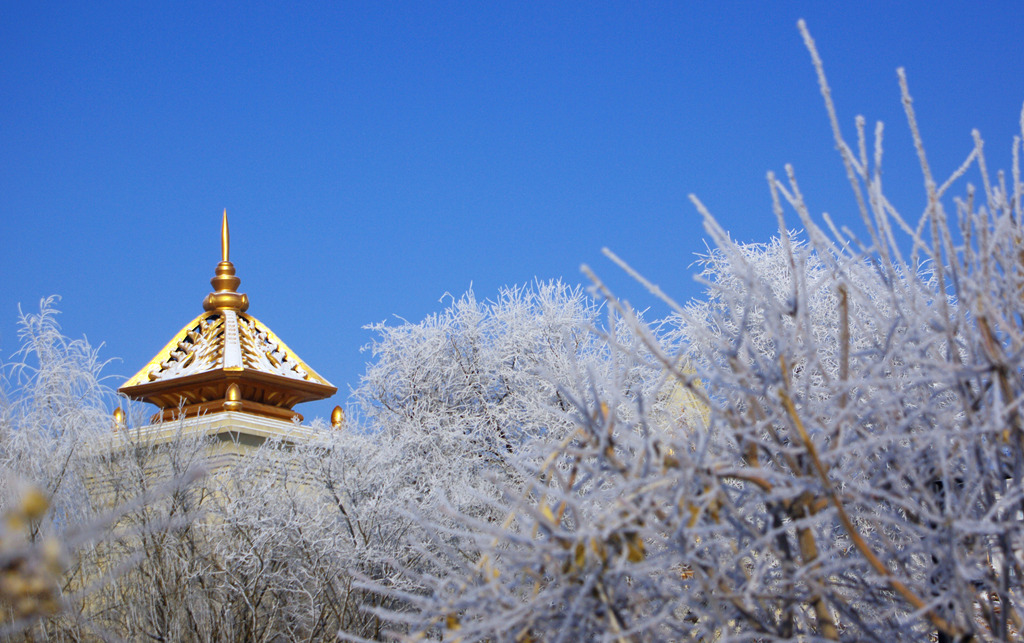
(118, 418)
(337, 418)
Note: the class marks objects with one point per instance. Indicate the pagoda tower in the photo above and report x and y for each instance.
(227, 361)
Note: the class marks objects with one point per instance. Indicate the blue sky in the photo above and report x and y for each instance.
(373, 156)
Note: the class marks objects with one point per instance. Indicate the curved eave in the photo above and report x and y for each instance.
(210, 386)
(141, 379)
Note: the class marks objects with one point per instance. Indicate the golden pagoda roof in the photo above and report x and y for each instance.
(225, 359)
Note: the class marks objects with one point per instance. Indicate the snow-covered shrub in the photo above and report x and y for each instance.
(462, 393)
(52, 405)
(267, 548)
(855, 470)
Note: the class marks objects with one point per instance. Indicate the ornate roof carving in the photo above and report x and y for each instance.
(226, 340)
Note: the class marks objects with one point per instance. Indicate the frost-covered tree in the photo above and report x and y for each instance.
(52, 406)
(852, 467)
(459, 403)
(462, 393)
(266, 549)
(470, 373)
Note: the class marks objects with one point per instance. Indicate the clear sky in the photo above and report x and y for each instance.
(374, 156)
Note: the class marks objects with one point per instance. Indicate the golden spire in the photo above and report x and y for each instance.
(225, 283)
(225, 238)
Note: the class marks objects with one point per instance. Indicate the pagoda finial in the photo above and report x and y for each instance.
(225, 238)
(225, 294)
